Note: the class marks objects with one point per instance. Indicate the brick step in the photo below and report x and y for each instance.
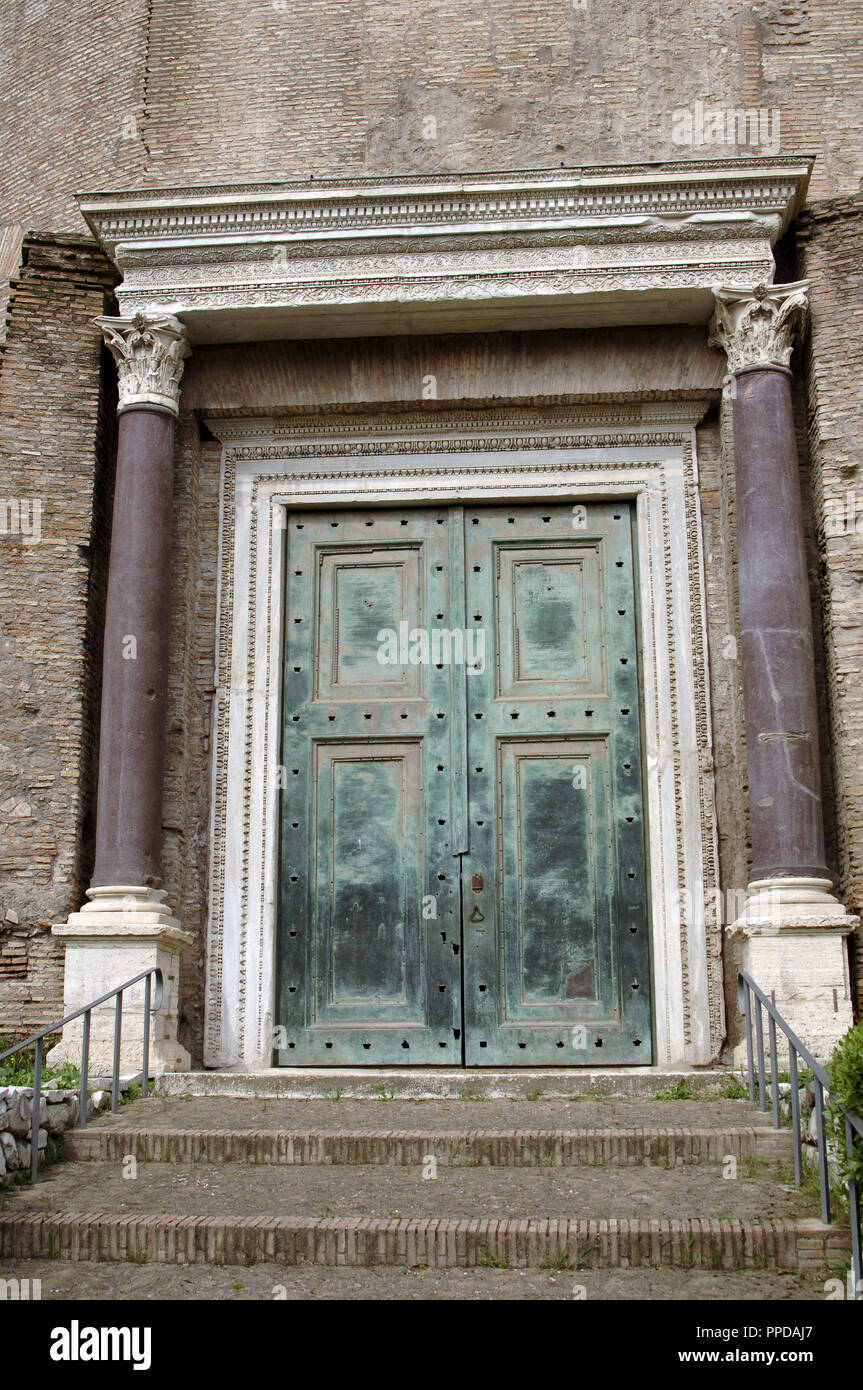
(494, 1147)
(800, 1245)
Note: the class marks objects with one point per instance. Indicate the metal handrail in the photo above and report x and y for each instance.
(86, 1010)
(746, 988)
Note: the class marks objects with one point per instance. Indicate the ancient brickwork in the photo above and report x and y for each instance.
(56, 430)
(187, 91)
(187, 777)
(831, 255)
(73, 79)
(716, 485)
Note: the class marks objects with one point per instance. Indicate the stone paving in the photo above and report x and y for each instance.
(215, 1112)
(89, 1280)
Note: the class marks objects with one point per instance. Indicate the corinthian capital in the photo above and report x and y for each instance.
(149, 353)
(756, 326)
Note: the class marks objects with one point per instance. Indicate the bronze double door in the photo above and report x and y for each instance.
(462, 869)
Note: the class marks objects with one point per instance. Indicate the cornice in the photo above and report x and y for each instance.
(466, 201)
(466, 252)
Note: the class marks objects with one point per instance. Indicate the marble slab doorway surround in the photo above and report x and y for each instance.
(644, 452)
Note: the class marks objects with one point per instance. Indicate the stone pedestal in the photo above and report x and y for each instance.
(793, 934)
(119, 933)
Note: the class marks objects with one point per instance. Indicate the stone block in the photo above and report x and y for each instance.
(60, 1117)
(9, 1150)
(24, 1149)
(117, 935)
(808, 971)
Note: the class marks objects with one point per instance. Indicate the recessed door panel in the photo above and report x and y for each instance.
(360, 594)
(556, 952)
(368, 881)
(548, 613)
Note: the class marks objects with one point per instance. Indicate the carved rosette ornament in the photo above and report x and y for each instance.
(756, 327)
(150, 354)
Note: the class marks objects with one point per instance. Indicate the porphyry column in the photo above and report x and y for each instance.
(793, 926)
(126, 926)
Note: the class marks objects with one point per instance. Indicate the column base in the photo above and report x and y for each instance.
(793, 932)
(117, 934)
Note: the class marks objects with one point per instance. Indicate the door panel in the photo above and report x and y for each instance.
(441, 816)
(360, 593)
(367, 811)
(556, 943)
(556, 940)
(369, 938)
(548, 621)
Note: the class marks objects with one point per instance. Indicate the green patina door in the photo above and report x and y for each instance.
(463, 871)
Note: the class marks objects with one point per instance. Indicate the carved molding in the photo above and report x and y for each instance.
(637, 240)
(150, 354)
(535, 454)
(529, 198)
(370, 427)
(757, 326)
(282, 290)
(451, 252)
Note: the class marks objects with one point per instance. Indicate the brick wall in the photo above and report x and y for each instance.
(831, 256)
(56, 431)
(190, 91)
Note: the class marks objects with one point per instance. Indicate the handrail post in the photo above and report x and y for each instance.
(822, 1152)
(37, 1112)
(774, 1063)
(145, 1063)
(115, 1077)
(759, 1038)
(84, 1095)
(745, 996)
(795, 1113)
(854, 1215)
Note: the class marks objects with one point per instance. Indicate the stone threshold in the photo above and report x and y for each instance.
(444, 1083)
(430, 1242)
(518, 1148)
